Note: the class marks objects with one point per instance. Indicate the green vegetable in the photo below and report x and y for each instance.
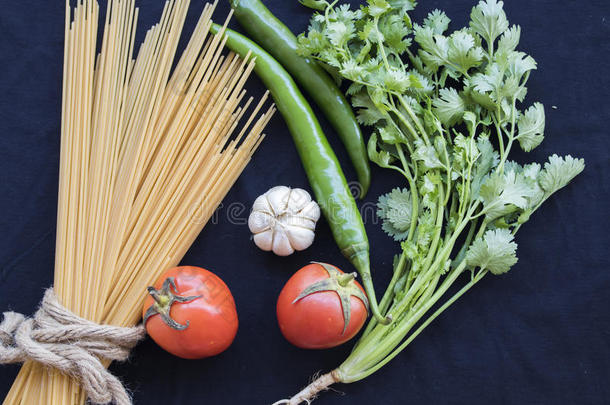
(320, 163)
(436, 105)
(280, 42)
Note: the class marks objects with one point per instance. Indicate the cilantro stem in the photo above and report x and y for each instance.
(380, 44)
(499, 133)
(437, 233)
(415, 119)
(389, 293)
(449, 181)
(328, 9)
(394, 97)
(462, 253)
(383, 338)
(413, 190)
(405, 165)
(406, 123)
(362, 362)
(511, 138)
(423, 326)
(426, 292)
(454, 203)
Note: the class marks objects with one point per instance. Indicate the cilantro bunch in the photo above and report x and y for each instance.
(446, 108)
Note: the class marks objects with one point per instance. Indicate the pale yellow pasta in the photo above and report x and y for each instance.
(147, 154)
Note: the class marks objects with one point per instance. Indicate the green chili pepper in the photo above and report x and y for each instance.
(319, 160)
(277, 39)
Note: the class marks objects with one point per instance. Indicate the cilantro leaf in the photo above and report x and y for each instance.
(489, 20)
(495, 252)
(403, 5)
(491, 81)
(381, 157)
(531, 127)
(425, 229)
(434, 47)
(509, 40)
(559, 171)
(377, 7)
(339, 32)
(395, 32)
(463, 52)
(427, 154)
(367, 113)
(396, 80)
(449, 107)
(531, 172)
(351, 70)
(465, 151)
(391, 135)
(503, 193)
(519, 64)
(395, 210)
(437, 21)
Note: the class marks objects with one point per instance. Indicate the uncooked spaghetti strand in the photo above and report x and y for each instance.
(170, 231)
(143, 255)
(158, 185)
(98, 172)
(82, 156)
(188, 58)
(132, 280)
(120, 60)
(166, 120)
(60, 248)
(152, 227)
(130, 103)
(134, 288)
(136, 168)
(229, 175)
(130, 165)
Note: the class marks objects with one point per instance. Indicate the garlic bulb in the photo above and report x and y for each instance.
(284, 220)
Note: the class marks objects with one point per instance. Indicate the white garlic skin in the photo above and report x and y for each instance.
(284, 220)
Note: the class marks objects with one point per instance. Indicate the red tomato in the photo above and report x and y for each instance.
(321, 307)
(190, 313)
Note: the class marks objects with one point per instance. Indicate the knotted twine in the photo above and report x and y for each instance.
(57, 338)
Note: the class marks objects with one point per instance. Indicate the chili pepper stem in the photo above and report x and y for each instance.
(362, 264)
(309, 393)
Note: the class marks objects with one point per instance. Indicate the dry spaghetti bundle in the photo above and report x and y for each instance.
(147, 154)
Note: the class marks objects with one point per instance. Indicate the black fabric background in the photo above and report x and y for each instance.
(538, 335)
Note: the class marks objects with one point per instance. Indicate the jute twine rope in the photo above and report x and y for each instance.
(57, 338)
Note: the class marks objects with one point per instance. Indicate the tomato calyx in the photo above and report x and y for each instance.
(341, 283)
(164, 299)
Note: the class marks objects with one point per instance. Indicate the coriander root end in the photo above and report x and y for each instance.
(309, 393)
